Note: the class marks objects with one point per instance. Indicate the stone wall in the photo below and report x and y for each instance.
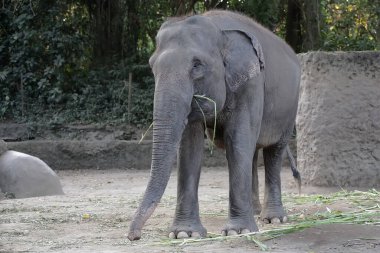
(93, 147)
(115, 154)
(3, 147)
(338, 122)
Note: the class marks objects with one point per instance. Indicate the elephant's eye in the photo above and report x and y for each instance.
(197, 63)
(198, 69)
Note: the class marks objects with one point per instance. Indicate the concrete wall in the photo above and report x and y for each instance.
(64, 154)
(116, 154)
(338, 122)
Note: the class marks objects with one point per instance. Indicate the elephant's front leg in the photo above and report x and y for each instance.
(187, 222)
(240, 147)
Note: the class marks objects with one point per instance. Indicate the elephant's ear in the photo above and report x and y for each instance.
(243, 57)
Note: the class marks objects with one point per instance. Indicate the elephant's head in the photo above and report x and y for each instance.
(193, 57)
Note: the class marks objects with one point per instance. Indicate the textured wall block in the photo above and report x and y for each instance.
(338, 121)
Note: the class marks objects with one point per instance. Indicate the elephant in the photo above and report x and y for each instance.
(24, 176)
(224, 74)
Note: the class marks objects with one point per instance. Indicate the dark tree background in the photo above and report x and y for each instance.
(70, 61)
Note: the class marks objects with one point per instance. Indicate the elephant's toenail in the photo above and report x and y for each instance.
(285, 219)
(245, 231)
(172, 235)
(224, 233)
(182, 235)
(266, 220)
(232, 232)
(195, 235)
(276, 221)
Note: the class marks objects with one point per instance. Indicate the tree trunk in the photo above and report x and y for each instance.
(133, 28)
(293, 25)
(107, 21)
(312, 20)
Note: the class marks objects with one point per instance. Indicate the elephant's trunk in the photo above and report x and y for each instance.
(169, 121)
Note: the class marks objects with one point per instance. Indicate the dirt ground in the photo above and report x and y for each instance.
(94, 215)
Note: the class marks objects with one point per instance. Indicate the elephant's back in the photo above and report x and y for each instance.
(267, 38)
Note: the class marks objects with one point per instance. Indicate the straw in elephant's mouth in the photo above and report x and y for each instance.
(146, 132)
(211, 142)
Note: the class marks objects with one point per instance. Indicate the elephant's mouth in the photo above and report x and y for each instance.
(202, 108)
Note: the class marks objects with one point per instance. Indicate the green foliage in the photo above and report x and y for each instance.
(57, 64)
(46, 72)
(351, 24)
(42, 52)
(264, 11)
(106, 99)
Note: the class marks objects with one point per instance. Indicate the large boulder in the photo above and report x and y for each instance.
(338, 122)
(23, 176)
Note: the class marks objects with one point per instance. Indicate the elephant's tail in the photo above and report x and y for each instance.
(296, 174)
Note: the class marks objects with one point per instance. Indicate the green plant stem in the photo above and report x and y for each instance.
(146, 132)
(368, 214)
(204, 118)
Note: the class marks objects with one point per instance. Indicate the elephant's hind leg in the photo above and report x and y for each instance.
(255, 185)
(273, 210)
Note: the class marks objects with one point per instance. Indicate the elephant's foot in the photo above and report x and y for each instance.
(273, 215)
(239, 226)
(256, 207)
(180, 230)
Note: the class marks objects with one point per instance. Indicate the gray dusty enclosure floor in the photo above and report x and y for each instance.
(94, 215)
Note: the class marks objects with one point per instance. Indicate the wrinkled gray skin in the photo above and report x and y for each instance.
(255, 188)
(253, 77)
(24, 176)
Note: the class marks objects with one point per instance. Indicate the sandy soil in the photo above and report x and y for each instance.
(95, 213)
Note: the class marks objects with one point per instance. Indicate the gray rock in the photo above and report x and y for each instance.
(24, 176)
(338, 133)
